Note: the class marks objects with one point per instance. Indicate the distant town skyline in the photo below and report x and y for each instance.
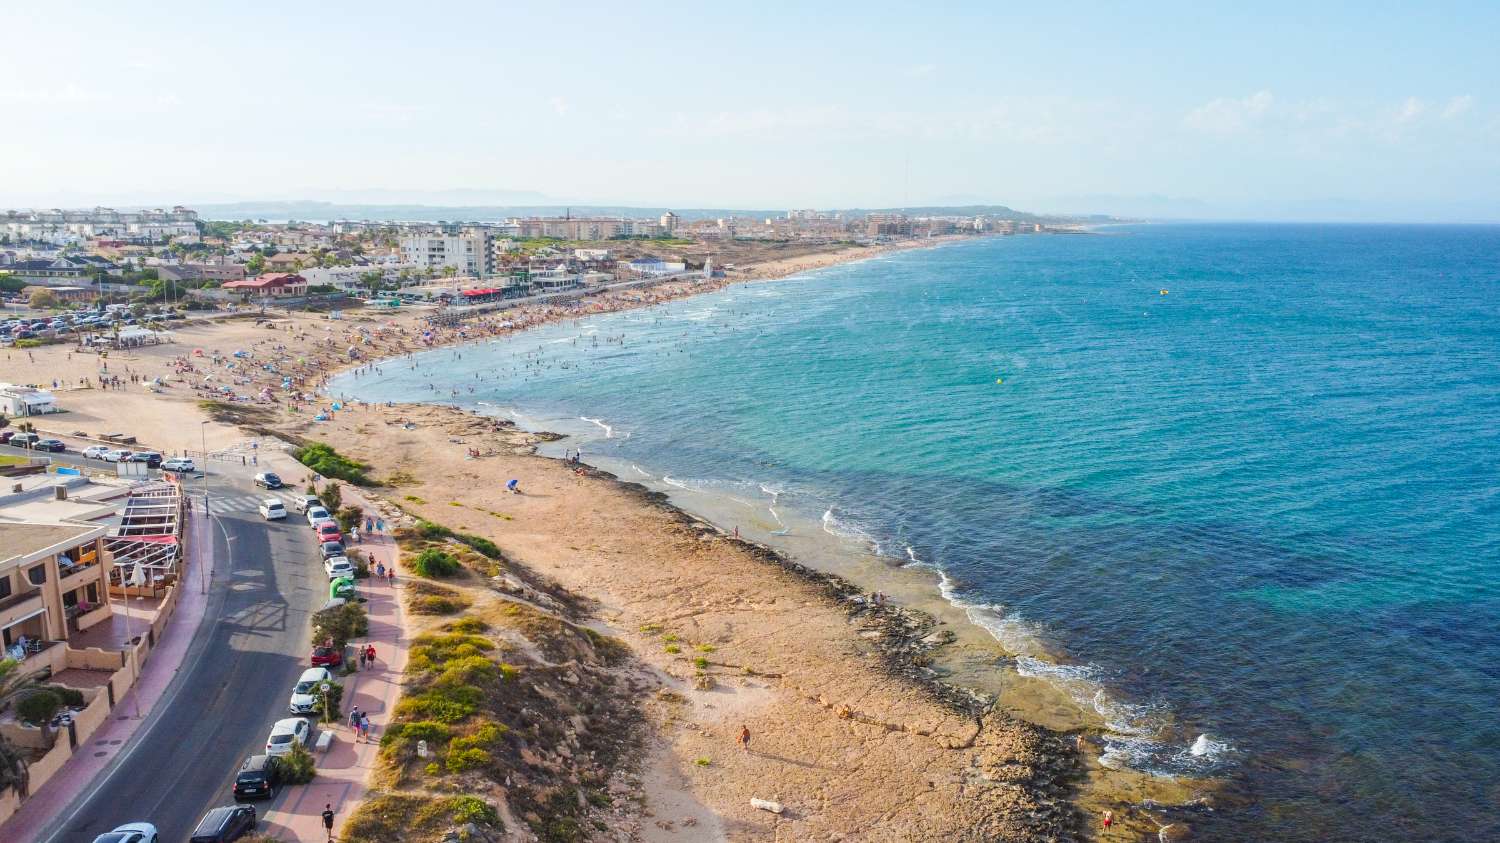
(1176, 111)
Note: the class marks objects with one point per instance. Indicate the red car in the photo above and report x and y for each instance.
(327, 657)
(329, 532)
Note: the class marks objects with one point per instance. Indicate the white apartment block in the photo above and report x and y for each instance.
(468, 253)
(59, 226)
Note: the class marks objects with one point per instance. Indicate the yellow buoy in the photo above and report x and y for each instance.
(999, 380)
(1164, 292)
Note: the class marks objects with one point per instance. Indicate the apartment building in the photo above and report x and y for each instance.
(53, 580)
(468, 253)
(67, 226)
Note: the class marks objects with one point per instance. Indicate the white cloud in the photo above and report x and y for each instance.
(560, 106)
(1457, 106)
(1226, 116)
(1411, 108)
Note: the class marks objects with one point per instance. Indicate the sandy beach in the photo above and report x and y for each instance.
(851, 731)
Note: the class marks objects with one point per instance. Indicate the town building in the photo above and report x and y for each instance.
(26, 401)
(270, 285)
(467, 253)
(72, 226)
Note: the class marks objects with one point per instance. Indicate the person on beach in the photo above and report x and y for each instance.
(744, 738)
(1109, 819)
(328, 819)
(514, 486)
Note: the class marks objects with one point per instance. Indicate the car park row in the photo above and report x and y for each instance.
(263, 775)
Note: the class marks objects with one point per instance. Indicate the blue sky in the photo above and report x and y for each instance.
(1347, 110)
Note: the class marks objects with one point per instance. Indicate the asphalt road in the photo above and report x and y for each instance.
(233, 684)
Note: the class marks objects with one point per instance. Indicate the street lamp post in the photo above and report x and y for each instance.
(207, 512)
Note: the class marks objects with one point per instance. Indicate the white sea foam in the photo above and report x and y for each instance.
(609, 432)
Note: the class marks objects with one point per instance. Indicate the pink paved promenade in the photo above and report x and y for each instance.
(344, 768)
(80, 771)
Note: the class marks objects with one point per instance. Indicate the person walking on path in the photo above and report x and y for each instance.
(328, 819)
(379, 571)
(362, 659)
(744, 738)
(353, 717)
(370, 654)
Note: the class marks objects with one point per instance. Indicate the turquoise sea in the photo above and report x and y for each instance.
(1242, 480)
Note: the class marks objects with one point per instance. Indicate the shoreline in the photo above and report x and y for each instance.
(307, 350)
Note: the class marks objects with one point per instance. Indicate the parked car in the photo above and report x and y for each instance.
(5, 435)
(115, 456)
(268, 480)
(259, 778)
(151, 458)
(51, 446)
(328, 531)
(316, 514)
(306, 694)
(331, 549)
(272, 509)
(302, 503)
(96, 452)
(130, 833)
(223, 825)
(23, 440)
(286, 732)
(338, 566)
(181, 465)
(323, 656)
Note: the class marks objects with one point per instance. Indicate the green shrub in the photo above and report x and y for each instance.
(471, 809)
(71, 697)
(330, 463)
(39, 706)
(298, 766)
(435, 563)
(335, 695)
(341, 624)
(469, 625)
(432, 604)
(481, 544)
(445, 705)
(349, 517)
(332, 497)
(460, 760)
(673, 649)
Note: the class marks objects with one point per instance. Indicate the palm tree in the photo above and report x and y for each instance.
(14, 686)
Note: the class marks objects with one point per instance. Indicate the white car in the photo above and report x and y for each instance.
(96, 452)
(272, 509)
(316, 514)
(292, 730)
(115, 456)
(302, 503)
(179, 464)
(130, 833)
(338, 566)
(305, 693)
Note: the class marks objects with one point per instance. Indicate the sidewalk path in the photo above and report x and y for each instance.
(91, 759)
(343, 771)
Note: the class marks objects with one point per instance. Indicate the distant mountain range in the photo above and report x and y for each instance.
(315, 211)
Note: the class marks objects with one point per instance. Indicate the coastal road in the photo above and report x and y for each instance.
(233, 683)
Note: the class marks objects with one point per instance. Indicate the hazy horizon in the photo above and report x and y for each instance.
(1277, 112)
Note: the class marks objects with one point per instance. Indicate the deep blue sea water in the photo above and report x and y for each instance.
(1263, 505)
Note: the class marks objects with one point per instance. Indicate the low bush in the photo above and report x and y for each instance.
(39, 706)
(298, 766)
(71, 697)
(331, 712)
(435, 563)
(341, 624)
(349, 517)
(469, 626)
(330, 463)
(434, 604)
